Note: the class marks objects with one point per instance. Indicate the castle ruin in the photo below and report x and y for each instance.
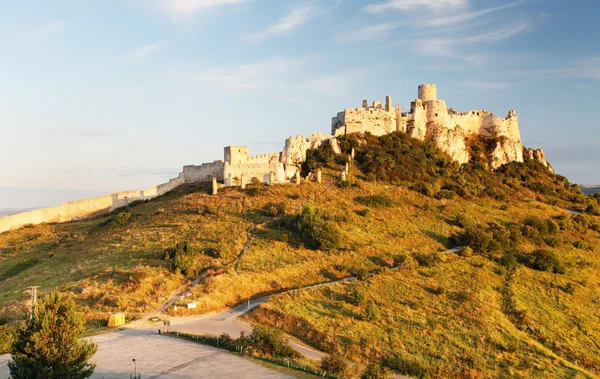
(428, 118)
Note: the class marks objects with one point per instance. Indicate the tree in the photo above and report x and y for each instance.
(48, 345)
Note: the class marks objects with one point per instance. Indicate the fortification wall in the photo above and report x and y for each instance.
(254, 170)
(263, 158)
(86, 208)
(375, 120)
(203, 173)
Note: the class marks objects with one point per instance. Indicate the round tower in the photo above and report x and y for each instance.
(427, 92)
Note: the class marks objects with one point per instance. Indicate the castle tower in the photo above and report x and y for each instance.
(427, 92)
(365, 104)
(388, 103)
(236, 154)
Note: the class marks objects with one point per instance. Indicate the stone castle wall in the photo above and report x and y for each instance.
(81, 209)
(204, 172)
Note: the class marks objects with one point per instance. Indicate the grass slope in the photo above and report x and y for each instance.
(435, 316)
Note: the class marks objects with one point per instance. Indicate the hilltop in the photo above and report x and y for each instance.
(526, 286)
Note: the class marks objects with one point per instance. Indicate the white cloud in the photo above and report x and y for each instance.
(411, 4)
(141, 53)
(44, 32)
(462, 17)
(444, 46)
(181, 9)
(293, 20)
(268, 74)
(369, 33)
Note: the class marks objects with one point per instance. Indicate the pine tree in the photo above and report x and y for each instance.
(48, 345)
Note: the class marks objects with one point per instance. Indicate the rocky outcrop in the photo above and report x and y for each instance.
(538, 155)
(451, 141)
(294, 151)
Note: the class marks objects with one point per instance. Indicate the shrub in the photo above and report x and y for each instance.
(375, 201)
(553, 241)
(593, 209)
(509, 261)
(466, 252)
(360, 273)
(445, 194)
(476, 238)
(371, 311)
(182, 260)
(546, 260)
(269, 341)
(408, 365)
(317, 230)
(426, 260)
(119, 220)
(580, 244)
(374, 371)
(334, 364)
(357, 294)
(363, 212)
(536, 223)
(275, 209)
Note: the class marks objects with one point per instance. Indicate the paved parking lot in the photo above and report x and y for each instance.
(163, 357)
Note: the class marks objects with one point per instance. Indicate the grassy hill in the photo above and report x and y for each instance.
(521, 300)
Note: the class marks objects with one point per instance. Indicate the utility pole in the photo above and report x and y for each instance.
(33, 301)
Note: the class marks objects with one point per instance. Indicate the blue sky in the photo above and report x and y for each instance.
(110, 95)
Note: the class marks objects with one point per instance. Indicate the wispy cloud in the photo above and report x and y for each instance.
(369, 33)
(446, 46)
(411, 4)
(42, 33)
(286, 79)
(259, 76)
(184, 9)
(462, 17)
(141, 53)
(293, 20)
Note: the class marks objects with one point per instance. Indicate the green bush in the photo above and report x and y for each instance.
(374, 371)
(268, 341)
(357, 294)
(119, 220)
(509, 261)
(7, 336)
(360, 273)
(363, 212)
(546, 260)
(375, 201)
(317, 230)
(476, 238)
(371, 311)
(275, 209)
(580, 244)
(335, 364)
(408, 365)
(426, 260)
(182, 259)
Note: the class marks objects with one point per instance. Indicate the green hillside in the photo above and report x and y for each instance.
(521, 300)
